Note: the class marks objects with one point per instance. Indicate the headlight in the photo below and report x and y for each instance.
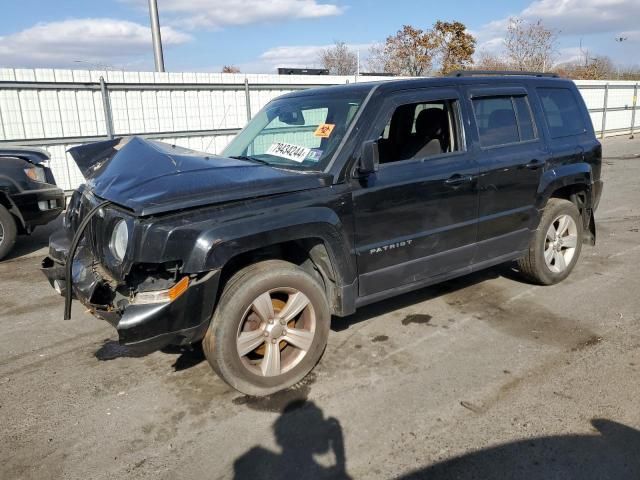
(36, 174)
(119, 240)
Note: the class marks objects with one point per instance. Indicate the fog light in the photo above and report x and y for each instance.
(43, 205)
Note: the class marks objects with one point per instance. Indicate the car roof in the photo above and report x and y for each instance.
(31, 154)
(388, 86)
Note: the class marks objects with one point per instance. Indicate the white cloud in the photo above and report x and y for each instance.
(216, 14)
(585, 16)
(93, 40)
(296, 56)
(576, 18)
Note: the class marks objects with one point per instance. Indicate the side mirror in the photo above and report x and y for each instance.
(369, 158)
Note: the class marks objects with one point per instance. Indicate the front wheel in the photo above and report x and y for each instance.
(555, 247)
(8, 232)
(269, 329)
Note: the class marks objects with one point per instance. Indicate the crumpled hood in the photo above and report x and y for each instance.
(151, 177)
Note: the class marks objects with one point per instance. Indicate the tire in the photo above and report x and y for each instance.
(8, 232)
(553, 253)
(260, 302)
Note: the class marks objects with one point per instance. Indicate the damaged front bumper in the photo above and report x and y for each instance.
(146, 324)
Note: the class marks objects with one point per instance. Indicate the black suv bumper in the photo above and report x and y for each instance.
(146, 325)
(39, 207)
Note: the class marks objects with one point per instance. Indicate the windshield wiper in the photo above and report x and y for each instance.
(250, 159)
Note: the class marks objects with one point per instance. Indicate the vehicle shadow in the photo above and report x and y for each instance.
(186, 357)
(302, 432)
(39, 239)
(507, 270)
(613, 454)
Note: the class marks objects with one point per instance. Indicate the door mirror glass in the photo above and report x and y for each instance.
(369, 158)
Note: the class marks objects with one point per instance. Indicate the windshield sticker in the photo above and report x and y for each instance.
(314, 155)
(289, 151)
(324, 130)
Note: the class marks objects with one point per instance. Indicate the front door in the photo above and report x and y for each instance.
(416, 217)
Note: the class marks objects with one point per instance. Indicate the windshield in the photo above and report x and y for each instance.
(301, 132)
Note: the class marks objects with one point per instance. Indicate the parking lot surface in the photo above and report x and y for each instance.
(482, 377)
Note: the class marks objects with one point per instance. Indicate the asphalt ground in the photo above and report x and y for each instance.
(482, 377)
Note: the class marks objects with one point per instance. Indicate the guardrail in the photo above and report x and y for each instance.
(58, 109)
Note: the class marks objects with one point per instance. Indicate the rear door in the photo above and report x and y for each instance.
(416, 217)
(511, 155)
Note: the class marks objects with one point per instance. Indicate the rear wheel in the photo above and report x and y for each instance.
(269, 329)
(8, 232)
(555, 248)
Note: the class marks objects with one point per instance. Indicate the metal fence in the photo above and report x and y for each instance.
(57, 109)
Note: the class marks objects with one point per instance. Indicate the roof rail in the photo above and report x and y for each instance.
(473, 73)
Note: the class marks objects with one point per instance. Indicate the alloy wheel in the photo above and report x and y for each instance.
(276, 332)
(560, 243)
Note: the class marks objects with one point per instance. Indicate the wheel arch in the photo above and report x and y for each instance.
(572, 183)
(313, 240)
(6, 202)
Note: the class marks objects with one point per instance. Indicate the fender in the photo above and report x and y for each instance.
(8, 203)
(216, 246)
(563, 176)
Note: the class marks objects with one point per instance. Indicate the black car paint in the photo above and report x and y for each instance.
(20, 194)
(237, 206)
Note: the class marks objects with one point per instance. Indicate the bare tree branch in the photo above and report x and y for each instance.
(339, 59)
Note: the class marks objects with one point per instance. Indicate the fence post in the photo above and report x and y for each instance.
(604, 110)
(633, 112)
(106, 104)
(247, 97)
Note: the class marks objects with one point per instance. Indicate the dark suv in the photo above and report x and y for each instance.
(328, 200)
(28, 193)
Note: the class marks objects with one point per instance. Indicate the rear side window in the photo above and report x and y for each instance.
(562, 112)
(525, 119)
(503, 120)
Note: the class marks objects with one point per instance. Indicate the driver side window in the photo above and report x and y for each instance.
(420, 130)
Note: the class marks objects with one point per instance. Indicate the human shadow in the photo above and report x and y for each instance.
(614, 453)
(506, 270)
(301, 431)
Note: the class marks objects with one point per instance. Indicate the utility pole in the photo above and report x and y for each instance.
(155, 33)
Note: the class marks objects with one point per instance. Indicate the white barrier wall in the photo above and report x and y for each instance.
(57, 109)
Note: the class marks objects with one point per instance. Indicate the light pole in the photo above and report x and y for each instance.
(620, 40)
(155, 33)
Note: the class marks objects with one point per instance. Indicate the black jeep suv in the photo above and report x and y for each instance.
(28, 193)
(328, 200)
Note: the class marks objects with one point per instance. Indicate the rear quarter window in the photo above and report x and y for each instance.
(562, 112)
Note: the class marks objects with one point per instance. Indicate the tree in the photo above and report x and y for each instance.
(590, 68)
(489, 61)
(530, 46)
(455, 46)
(378, 61)
(410, 52)
(230, 69)
(339, 59)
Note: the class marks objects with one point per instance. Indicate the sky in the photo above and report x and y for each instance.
(260, 35)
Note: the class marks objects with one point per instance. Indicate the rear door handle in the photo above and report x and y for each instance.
(457, 180)
(534, 164)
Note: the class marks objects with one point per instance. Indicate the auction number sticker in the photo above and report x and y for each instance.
(289, 151)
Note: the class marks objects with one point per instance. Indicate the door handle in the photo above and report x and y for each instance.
(457, 180)
(534, 164)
